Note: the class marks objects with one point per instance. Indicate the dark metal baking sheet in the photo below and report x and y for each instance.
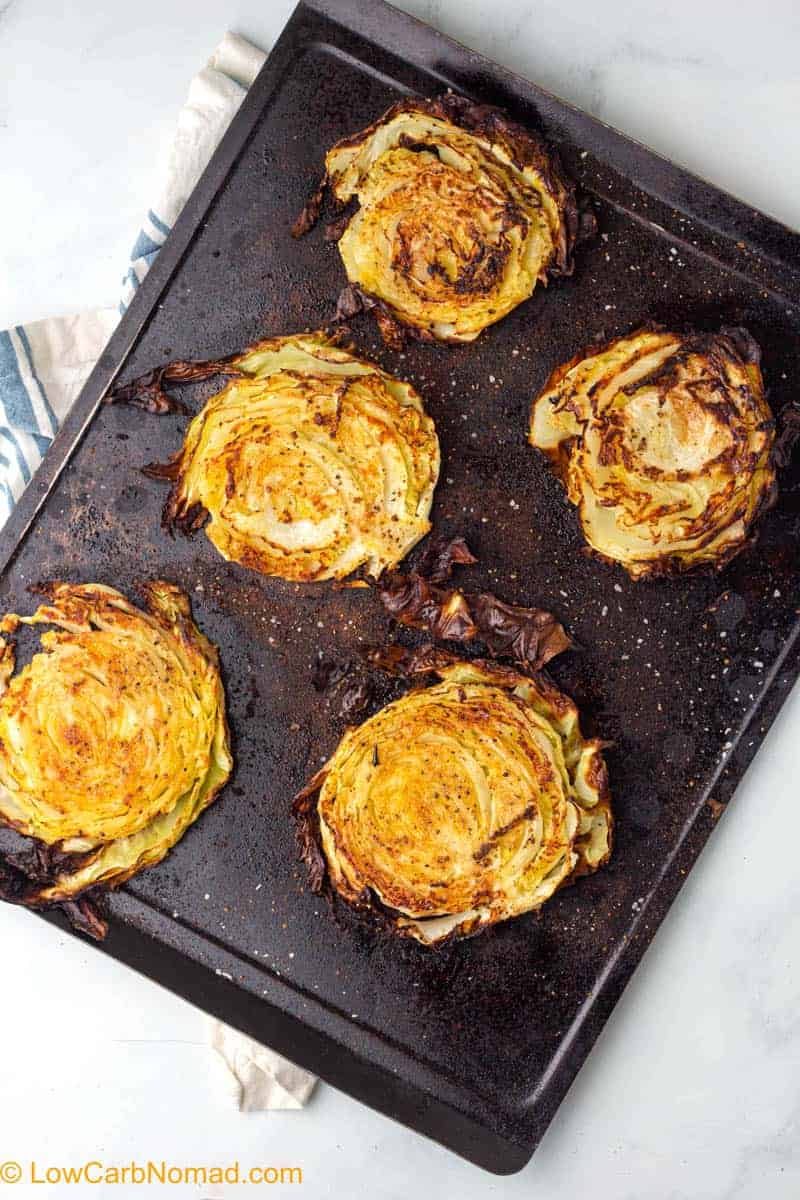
(474, 1046)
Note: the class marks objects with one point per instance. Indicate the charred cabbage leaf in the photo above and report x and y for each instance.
(664, 443)
(308, 464)
(419, 599)
(459, 805)
(461, 212)
(113, 739)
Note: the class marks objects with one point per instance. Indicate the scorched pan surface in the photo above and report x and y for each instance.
(476, 1045)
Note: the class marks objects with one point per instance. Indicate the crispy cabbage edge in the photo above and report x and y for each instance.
(679, 514)
(521, 227)
(347, 419)
(579, 842)
(81, 864)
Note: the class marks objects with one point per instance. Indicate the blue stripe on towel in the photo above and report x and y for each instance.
(51, 416)
(157, 222)
(16, 401)
(130, 284)
(6, 490)
(144, 246)
(24, 469)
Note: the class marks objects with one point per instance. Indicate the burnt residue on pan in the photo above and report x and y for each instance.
(670, 670)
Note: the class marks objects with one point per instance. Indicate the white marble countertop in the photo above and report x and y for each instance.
(691, 1092)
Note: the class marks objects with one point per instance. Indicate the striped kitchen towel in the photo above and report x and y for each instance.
(44, 364)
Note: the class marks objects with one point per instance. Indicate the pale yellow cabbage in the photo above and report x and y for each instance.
(663, 441)
(113, 739)
(460, 214)
(311, 465)
(464, 803)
